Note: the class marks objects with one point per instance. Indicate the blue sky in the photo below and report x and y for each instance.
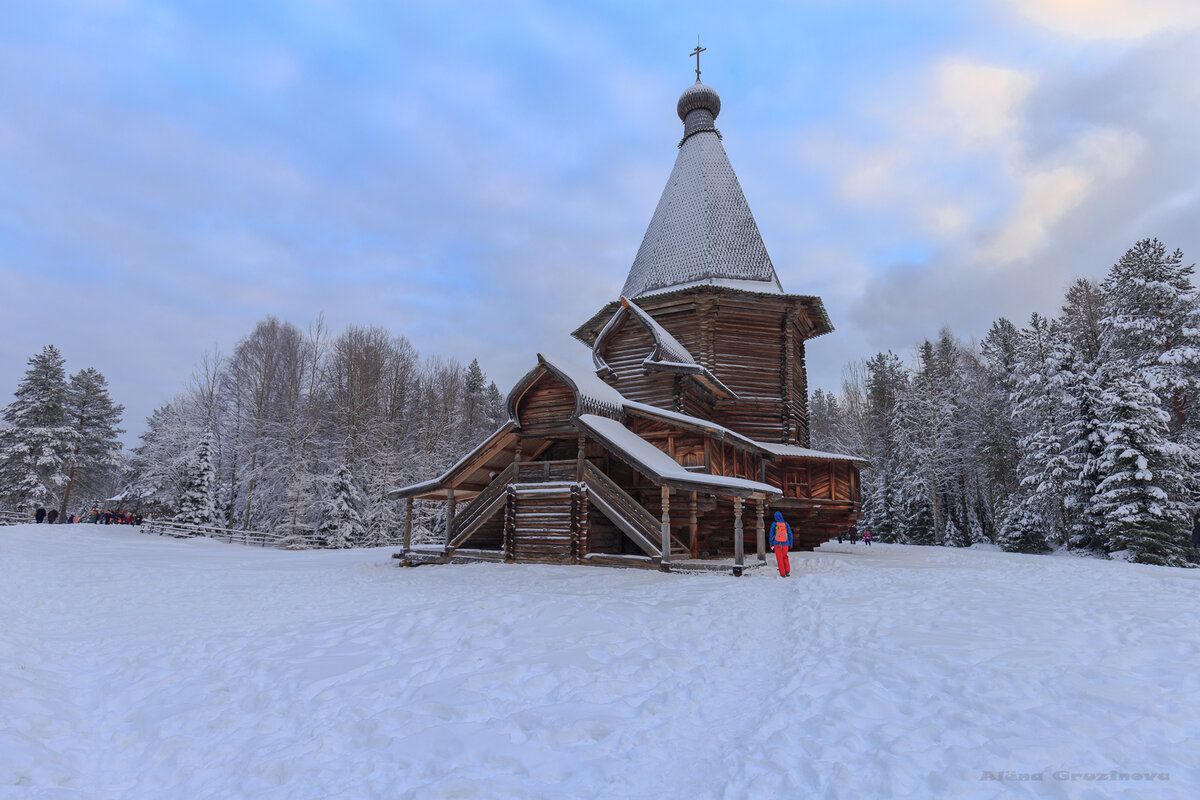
(478, 176)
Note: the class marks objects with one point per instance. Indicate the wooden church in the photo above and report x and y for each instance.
(691, 428)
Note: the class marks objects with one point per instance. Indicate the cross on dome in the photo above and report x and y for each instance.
(697, 53)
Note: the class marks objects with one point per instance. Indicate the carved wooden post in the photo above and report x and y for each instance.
(581, 457)
(665, 564)
(408, 509)
(760, 531)
(739, 545)
(583, 521)
(510, 521)
(575, 505)
(449, 516)
(693, 545)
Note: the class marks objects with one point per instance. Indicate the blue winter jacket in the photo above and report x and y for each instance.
(771, 531)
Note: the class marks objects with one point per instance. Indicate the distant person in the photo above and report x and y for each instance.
(781, 540)
(53, 515)
(867, 536)
(40, 514)
(137, 519)
(95, 517)
(1196, 530)
(853, 534)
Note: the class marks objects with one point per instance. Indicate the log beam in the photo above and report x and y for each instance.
(408, 514)
(665, 564)
(694, 526)
(760, 531)
(739, 544)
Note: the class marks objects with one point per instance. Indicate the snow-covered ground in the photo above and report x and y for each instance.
(135, 666)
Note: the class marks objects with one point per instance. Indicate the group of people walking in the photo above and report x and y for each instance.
(97, 517)
(853, 535)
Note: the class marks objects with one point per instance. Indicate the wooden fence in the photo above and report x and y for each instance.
(182, 530)
(15, 517)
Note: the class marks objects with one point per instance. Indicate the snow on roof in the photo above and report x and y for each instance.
(436, 483)
(697, 422)
(589, 385)
(804, 452)
(702, 229)
(660, 466)
(668, 349)
(668, 354)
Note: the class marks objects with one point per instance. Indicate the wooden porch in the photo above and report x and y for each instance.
(571, 512)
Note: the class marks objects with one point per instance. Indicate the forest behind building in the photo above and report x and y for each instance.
(1077, 431)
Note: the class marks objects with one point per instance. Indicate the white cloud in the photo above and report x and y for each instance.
(1111, 19)
(1048, 192)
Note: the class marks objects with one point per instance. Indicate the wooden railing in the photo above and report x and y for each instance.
(546, 471)
(626, 513)
(15, 517)
(485, 504)
(185, 531)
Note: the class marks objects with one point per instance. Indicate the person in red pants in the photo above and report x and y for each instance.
(781, 540)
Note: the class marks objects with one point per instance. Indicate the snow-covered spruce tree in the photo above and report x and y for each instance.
(497, 413)
(1083, 445)
(925, 438)
(37, 442)
(341, 526)
(1152, 324)
(1035, 513)
(94, 417)
(1139, 494)
(1023, 524)
(884, 382)
(197, 504)
(997, 436)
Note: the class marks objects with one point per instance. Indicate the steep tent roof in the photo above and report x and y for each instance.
(702, 232)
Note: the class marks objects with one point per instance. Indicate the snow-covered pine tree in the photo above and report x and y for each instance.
(494, 403)
(341, 525)
(197, 504)
(1139, 495)
(94, 417)
(1082, 311)
(1083, 445)
(997, 436)
(925, 435)
(1152, 323)
(1022, 527)
(474, 422)
(884, 382)
(1041, 407)
(38, 440)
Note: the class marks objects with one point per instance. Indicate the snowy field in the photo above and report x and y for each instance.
(134, 666)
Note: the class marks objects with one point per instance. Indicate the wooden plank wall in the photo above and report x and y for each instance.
(546, 406)
(542, 526)
(624, 351)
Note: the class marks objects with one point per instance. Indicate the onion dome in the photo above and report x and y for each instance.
(698, 107)
(698, 96)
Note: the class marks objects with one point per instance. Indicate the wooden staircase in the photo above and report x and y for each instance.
(546, 508)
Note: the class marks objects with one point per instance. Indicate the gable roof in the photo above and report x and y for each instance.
(702, 231)
(668, 354)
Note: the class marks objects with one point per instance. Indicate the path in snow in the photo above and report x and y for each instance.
(135, 666)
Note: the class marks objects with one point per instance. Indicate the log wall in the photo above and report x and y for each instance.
(624, 351)
(546, 406)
